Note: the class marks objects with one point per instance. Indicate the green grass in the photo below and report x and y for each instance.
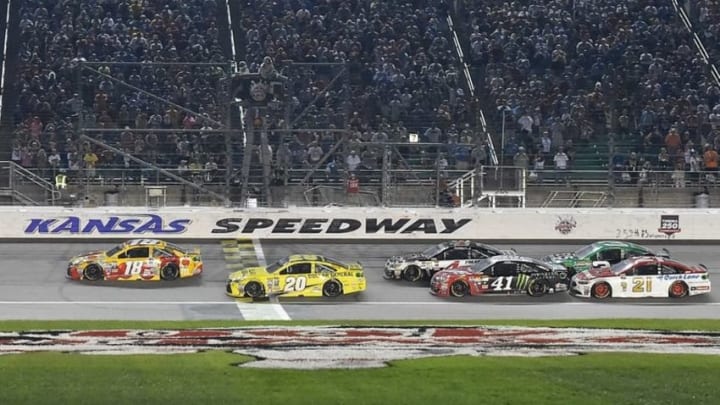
(210, 378)
(658, 324)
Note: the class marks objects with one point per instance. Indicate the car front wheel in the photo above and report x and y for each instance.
(412, 274)
(93, 272)
(601, 290)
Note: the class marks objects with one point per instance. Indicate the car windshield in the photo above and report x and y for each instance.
(434, 250)
(620, 266)
(113, 251)
(584, 251)
(277, 265)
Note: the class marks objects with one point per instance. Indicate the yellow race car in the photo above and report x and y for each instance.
(298, 276)
(137, 259)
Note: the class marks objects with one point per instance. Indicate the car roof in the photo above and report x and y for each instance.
(143, 242)
(302, 258)
(620, 243)
(516, 259)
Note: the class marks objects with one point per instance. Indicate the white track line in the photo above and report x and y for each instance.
(272, 311)
(340, 303)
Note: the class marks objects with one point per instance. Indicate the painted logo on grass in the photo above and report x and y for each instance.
(356, 347)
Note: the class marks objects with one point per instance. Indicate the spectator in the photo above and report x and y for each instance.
(561, 161)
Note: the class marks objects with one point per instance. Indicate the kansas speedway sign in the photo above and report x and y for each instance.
(339, 226)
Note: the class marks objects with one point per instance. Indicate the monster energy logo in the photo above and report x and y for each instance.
(522, 281)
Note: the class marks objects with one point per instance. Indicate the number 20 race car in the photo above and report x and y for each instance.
(501, 275)
(638, 277)
(417, 266)
(137, 259)
(298, 276)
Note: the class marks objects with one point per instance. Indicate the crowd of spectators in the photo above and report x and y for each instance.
(563, 72)
(580, 70)
(57, 97)
(401, 78)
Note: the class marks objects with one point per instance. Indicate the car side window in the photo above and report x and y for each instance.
(646, 270)
(505, 269)
(531, 268)
(298, 268)
(135, 253)
(610, 255)
(456, 254)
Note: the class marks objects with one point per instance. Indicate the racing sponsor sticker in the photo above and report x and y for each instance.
(565, 224)
(669, 224)
(360, 347)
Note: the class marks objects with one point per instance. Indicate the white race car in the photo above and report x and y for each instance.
(416, 266)
(639, 277)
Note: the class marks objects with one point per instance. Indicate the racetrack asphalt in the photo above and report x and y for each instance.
(33, 286)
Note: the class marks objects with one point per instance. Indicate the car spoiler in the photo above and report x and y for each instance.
(704, 267)
(663, 253)
(509, 252)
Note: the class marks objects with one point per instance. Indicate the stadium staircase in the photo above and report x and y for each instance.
(18, 186)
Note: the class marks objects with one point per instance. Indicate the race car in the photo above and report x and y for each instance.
(610, 251)
(417, 266)
(137, 259)
(638, 277)
(298, 276)
(501, 275)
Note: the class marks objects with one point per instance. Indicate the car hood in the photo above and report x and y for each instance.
(409, 257)
(91, 256)
(453, 272)
(595, 273)
(249, 272)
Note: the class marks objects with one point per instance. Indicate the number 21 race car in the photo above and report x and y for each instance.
(137, 259)
(638, 277)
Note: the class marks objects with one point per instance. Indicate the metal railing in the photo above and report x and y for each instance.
(26, 186)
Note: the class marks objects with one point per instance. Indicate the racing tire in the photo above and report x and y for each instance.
(537, 288)
(332, 288)
(170, 272)
(254, 289)
(601, 290)
(678, 289)
(412, 274)
(459, 289)
(93, 272)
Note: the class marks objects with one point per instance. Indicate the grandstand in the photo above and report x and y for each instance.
(280, 103)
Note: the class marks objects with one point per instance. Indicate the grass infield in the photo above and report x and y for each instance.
(209, 377)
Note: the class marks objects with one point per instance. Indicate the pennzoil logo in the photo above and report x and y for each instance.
(565, 225)
(669, 224)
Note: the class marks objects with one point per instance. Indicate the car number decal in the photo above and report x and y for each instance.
(295, 283)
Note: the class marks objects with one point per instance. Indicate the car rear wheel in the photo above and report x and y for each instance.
(93, 272)
(459, 289)
(412, 274)
(678, 289)
(601, 290)
(170, 272)
(537, 288)
(332, 288)
(254, 289)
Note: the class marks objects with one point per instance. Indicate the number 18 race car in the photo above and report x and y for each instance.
(647, 276)
(501, 275)
(416, 266)
(137, 259)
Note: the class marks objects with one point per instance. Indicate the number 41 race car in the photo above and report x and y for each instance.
(137, 259)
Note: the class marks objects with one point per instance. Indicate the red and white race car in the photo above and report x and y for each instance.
(639, 277)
